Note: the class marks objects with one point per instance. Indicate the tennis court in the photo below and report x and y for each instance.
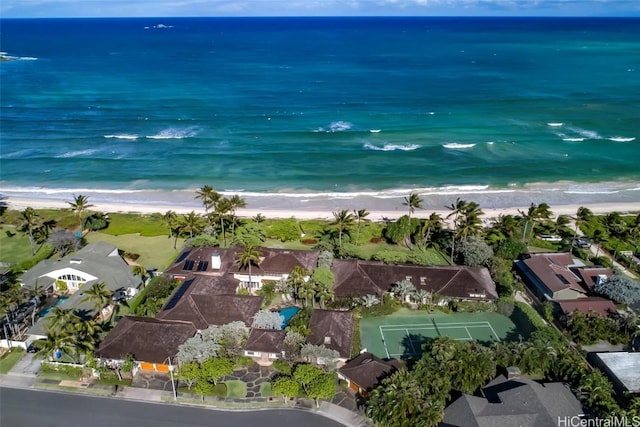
(404, 336)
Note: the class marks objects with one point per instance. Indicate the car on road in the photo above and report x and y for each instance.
(583, 242)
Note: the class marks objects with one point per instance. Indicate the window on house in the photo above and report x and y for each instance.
(327, 340)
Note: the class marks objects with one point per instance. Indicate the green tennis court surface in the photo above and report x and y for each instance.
(398, 337)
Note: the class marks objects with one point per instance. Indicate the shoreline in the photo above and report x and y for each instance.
(379, 209)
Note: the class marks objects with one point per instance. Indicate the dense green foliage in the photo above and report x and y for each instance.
(155, 296)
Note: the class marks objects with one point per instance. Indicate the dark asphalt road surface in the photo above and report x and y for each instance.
(28, 408)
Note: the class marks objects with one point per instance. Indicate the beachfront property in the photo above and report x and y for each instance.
(356, 278)
(68, 278)
(275, 265)
(559, 276)
(514, 400)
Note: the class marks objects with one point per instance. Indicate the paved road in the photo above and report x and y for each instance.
(28, 408)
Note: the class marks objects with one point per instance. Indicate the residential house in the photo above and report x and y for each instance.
(274, 266)
(265, 345)
(153, 343)
(365, 371)
(590, 306)
(512, 400)
(355, 278)
(195, 301)
(332, 329)
(552, 276)
(622, 368)
(71, 276)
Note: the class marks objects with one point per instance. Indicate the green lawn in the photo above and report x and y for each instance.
(265, 390)
(129, 223)
(9, 359)
(236, 388)
(155, 252)
(13, 249)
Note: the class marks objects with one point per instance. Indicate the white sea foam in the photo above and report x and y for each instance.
(622, 139)
(458, 146)
(375, 130)
(590, 134)
(122, 136)
(19, 153)
(175, 133)
(77, 153)
(27, 58)
(391, 147)
(573, 139)
(555, 124)
(340, 126)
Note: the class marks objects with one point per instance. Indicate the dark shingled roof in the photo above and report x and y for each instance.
(147, 339)
(198, 261)
(601, 306)
(206, 309)
(265, 340)
(280, 261)
(367, 370)
(359, 278)
(589, 275)
(516, 402)
(332, 329)
(553, 270)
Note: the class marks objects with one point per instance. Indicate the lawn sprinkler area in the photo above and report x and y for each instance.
(402, 337)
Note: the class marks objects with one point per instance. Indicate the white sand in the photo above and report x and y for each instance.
(314, 213)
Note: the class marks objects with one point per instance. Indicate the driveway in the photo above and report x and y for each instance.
(27, 366)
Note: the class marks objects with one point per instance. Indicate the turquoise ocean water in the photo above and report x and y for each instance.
(304, 107)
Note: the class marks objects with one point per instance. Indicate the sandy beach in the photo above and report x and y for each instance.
(379, 209)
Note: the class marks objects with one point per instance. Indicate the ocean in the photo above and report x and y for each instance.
(322, 108)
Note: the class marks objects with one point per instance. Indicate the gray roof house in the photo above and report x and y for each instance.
(514, 401)
(96, 262)
(622, 368)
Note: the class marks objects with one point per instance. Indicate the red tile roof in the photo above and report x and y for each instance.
(600, 306)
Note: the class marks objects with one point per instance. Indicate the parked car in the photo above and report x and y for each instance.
(583, 242)
(119, 296)
(550, 237)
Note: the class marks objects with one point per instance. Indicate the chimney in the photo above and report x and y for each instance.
(216, 261)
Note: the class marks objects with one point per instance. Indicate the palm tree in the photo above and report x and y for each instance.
(30, 222)
(297, 279)
(250, 256)
(456, 209)
(413, 202)
(429, 226)
(342, 220)
(191, 223)
(99, 295)
(61, 319)
(80, 205)
(140, 271)
(235, 202)
(223, 207)
(360, 217)
(171, 219)
(259, 218)
(469, 223)
(208, 196)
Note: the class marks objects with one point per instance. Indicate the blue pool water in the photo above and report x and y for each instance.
(46, 310)
(288, 313)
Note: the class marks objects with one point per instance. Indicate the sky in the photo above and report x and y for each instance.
(231, 8)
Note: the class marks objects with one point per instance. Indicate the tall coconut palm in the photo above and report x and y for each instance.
(297, 279)
(413, 202)
(191, 223)
(79, 206)
(30, 222)
(171, 219)
(208, 196)
(250, 256)
(456, 209)
(360, 217)
(342, 220)
(223, 207)
(99, 296)
(431, 225)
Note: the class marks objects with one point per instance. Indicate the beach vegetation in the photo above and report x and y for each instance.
(64, 242)
(360, 217)
(412, 202)
(155, 252)
(342, 221)
(250, 233)
(96, 221)
(79, 206)
(284, 230)
(474, 252)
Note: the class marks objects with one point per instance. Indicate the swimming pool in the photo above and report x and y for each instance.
(46, 310)
(288, 313)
